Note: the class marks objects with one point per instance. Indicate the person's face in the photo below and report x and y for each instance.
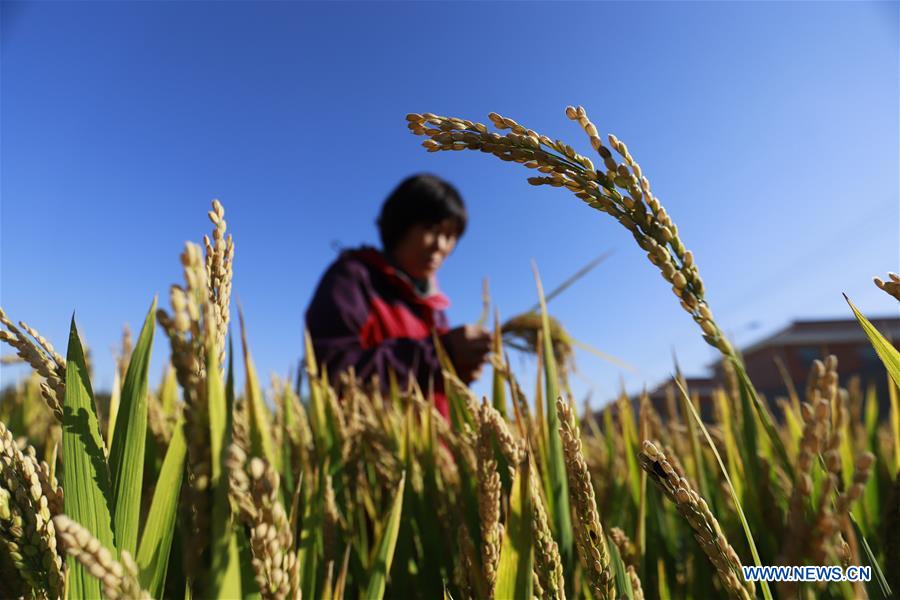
(424, 248)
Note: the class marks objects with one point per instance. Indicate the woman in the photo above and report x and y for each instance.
(374, 310)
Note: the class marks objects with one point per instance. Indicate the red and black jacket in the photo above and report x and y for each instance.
(367, 314)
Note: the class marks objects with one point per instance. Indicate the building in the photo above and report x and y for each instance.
(796, 347)
(701, 388)
(790, 352)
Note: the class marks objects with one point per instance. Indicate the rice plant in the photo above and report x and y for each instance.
(194, 488)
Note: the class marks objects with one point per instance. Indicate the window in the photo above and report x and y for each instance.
(868, 358)
(807, 354)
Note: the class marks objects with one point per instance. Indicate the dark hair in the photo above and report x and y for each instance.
(420, 199)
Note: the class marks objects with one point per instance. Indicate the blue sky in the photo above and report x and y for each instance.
(769, 131)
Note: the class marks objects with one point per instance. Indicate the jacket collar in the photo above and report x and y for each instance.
(433, 298)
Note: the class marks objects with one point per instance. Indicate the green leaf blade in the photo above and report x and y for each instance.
(225, 581)
(384, 556)
(126, 456)
(889, 355)
(86, 474)
(556, 468)
(156, 540)
(514, 569)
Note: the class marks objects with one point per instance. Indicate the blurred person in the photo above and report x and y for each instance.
(374, 310)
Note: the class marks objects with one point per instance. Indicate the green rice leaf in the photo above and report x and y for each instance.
(890, 357)
(126, 456)
(556, 466)
(731, 446)
(288, 425)
(629, 439)
(662, 583)
(749, 398)
(696, 451)
(623, 582)
(310, 542)
(498, 395)
(895, 423)
(156, 540)
(114, 397)
(877, 574)
(249, 587)
(514, 570)
(384, 553)
(459, 412)
(86, 475)
(794, 428)
(317, 420)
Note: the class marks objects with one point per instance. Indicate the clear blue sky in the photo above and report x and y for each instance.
(769, 131)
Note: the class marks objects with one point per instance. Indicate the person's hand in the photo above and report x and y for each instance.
(468, 347)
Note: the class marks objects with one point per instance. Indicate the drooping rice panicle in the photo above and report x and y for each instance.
(521, 332)
(637, 590)
(507, 444)
(621, 190)
(253, 488)
(119, 578)
(42, 358)
(519, 400)
(864, 463)
(26, 527)
(695, 510)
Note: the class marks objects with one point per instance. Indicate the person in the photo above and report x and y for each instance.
(375, 310)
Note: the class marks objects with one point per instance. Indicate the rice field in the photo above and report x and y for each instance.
(191, 488)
